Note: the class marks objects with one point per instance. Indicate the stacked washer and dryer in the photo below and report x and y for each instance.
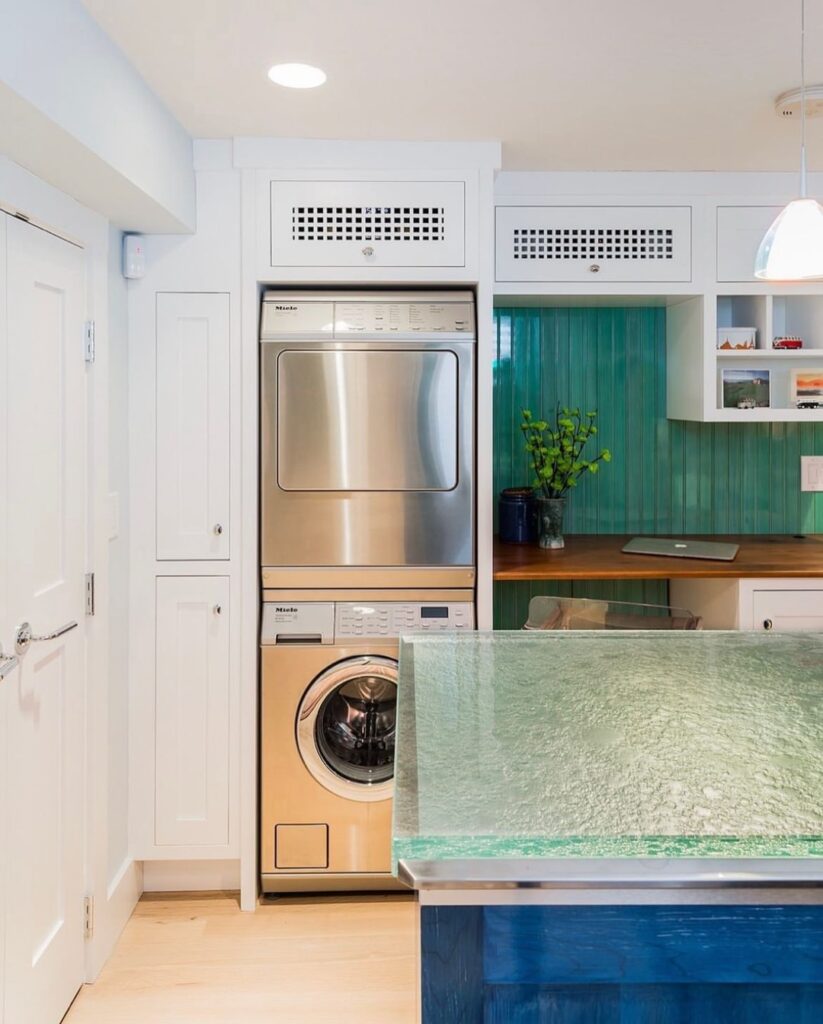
(367, 533)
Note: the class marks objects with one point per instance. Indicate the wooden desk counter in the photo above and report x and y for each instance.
(599, 557)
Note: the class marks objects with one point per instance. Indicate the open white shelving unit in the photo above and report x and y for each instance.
(696, 364)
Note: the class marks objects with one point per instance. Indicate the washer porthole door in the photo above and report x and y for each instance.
(346, 727)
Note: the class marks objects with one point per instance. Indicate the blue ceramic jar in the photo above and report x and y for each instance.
(517, 516)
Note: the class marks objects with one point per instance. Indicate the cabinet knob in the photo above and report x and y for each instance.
(218, 609)
(595, 268)
(218, 529)
(368, 251)
(768, 624)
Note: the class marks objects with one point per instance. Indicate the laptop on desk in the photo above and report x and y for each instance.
(716, 550)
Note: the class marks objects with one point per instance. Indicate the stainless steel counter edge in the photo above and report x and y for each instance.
(613, 873)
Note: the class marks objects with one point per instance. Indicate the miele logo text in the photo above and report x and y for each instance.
(285, 309)
(278, 609)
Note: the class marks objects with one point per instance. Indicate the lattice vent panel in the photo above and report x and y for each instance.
(593, 244)
(368, 223)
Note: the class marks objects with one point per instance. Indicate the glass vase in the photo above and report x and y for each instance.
(550, 523)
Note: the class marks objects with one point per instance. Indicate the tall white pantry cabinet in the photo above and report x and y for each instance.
(184, 416)
(186, 779)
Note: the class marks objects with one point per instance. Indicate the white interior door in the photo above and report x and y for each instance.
(42, 566)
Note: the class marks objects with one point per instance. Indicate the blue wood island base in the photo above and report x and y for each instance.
(622, 964)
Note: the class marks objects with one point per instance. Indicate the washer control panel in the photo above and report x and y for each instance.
(389, 619)
(323, 622)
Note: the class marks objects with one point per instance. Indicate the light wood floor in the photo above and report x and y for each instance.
(199, 960)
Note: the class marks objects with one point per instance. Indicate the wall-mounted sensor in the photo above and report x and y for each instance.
(134, 256)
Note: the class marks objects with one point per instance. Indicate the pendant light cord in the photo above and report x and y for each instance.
(802, 99)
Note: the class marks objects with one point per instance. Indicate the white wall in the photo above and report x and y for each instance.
(74, 111)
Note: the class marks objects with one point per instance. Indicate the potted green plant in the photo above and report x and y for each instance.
(556, 451)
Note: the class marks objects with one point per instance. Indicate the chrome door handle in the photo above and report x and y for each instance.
(24, 636)
(8, 662)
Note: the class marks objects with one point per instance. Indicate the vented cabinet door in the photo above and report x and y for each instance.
(593, 243)
(367, 223)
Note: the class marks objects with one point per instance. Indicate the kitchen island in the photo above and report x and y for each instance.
(613, 827)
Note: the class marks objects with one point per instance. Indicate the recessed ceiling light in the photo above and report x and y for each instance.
(297, 76)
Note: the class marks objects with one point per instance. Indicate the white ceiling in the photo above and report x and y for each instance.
(565, 84)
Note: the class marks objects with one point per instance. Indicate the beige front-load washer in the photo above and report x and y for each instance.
(327, 729)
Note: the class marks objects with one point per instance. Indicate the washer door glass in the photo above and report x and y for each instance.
(346, 727)
(355, 729)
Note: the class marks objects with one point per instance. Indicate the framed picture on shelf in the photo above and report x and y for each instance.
(807, 389)
(746, 389)
(736, 339)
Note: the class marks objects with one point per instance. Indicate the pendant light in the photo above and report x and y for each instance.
(792, 248)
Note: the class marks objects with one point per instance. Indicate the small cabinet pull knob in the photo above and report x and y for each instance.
(768, 624)
(595, 268)
(218, 609)
(368, 251)
(218, 529)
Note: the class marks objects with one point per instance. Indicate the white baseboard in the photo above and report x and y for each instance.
(190, 875)
(111, 914)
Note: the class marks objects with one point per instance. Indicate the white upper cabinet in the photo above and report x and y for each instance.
(193, 442)
(364, 224)
(740, 230)
(595, 244)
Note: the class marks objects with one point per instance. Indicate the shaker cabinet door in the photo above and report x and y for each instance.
(788, 611)
(193, 473)
(192, 709)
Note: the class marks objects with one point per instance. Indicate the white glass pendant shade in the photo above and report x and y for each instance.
(792, 248)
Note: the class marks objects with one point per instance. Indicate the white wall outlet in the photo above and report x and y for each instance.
(811, 472)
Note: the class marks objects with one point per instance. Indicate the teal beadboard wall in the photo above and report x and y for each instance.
(666, 476)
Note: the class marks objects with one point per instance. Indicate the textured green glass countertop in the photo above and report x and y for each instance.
(609, 744)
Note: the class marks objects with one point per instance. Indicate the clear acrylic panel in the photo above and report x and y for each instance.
(610, 744)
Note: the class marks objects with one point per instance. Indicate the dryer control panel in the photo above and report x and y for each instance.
(389, 619)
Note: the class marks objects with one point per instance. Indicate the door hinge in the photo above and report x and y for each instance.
(88, 916)
(88, 346)
(89, 593)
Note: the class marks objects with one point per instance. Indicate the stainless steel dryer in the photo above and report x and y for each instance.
(328, 702)
(367, 438)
